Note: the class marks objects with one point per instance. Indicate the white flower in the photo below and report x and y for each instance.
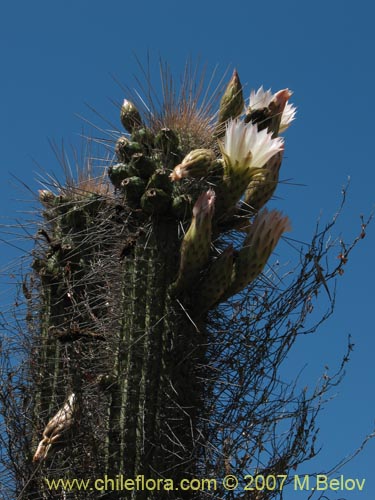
(244, 146)
(263, 98)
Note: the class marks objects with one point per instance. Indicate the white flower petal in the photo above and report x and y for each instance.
(245, 146)
(260, 99)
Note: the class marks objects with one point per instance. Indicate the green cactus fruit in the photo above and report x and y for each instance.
(133, 188)
(231, 104)
(167, 141)
(155, 201)
(195, 247)
(143, 165)
(125, 149)
(130, 117)
(216, 282)
(263, 184)
(196, 164)
(117, 173)
(145, 137)
(160, 180)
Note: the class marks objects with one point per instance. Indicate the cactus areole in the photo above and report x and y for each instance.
(130, 266)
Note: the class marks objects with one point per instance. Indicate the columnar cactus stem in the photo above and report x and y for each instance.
(127, 279)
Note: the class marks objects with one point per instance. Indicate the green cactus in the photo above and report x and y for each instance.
(127, 277)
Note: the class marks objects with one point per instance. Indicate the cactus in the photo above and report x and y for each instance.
(130, 272)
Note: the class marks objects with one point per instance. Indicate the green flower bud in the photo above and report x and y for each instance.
(196, 164)
(231, 104)
(195, 247)
(216, 281)
(262, 238)
(263, 184)
(130, 117)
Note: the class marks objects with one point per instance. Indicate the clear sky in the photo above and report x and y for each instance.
(57, 56)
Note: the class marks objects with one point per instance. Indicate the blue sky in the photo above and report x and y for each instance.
(57, 56)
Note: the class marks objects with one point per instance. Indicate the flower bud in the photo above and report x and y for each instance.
(263, 184)
(195, 247)
(262, 238)
(130, 117)
(160, 180)
(182, 206)
(196, 164)
(231, 104)
(216, 281)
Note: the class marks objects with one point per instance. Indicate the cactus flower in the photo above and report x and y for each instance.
(245, 147)
(262, 99)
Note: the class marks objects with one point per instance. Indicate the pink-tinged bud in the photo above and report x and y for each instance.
(195, 247)
(204, 207)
